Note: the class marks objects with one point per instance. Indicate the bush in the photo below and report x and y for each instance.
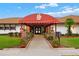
(46, 35)
(16, 34)
(29, 35)
(62, 34)
(10, 34)
(19, 34)
(55, 43)
(50, 38)
(71, 35)
(75, 34)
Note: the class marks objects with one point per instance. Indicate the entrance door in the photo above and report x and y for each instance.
(37, 30)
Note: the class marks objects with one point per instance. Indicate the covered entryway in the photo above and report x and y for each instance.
(39, 23)
(37, 29)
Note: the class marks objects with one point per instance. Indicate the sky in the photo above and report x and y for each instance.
(8, 10)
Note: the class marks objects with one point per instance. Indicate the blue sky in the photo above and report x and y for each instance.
(8, 10)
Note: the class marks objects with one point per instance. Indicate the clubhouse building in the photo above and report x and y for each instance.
(37, 24)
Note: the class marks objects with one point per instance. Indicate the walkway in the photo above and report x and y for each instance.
(39, 46)
(39, 42)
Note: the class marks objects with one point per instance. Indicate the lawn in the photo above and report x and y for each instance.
(6, 41)
(70, 42)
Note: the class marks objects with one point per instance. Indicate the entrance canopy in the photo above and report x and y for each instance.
(39, 19)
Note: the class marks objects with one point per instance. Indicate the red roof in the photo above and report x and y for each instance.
(39, 19)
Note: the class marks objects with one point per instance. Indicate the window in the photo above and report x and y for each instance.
(7, 27)
(12, 27)
(1, 27)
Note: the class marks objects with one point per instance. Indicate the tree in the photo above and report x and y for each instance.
(69, 22)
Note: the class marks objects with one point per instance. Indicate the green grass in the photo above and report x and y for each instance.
(6, 41)
(70, 42)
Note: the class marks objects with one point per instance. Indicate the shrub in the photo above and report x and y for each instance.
(71, 35)
(50, 38)
(19, 34)
(55, 43)
(46, 35)
(75, 34)
(29, 35)
(16, 34)
(10, 34)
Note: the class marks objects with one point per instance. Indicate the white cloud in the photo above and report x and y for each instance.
(65, 12)
(43, 6)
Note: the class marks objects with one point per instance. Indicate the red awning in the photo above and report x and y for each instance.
(39, 19)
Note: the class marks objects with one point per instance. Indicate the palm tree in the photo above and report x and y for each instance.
(69, 22)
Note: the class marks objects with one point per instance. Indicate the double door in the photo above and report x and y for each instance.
(37, 30)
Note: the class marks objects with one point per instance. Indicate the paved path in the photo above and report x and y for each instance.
(39, 47)
(39, 42)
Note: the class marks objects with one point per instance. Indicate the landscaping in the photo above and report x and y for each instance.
(52, 39)
(70, 42)
(13, 40)
(25, 39)
(7, 41)
(65, 41)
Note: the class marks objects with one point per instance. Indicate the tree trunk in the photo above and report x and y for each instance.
(69, 30)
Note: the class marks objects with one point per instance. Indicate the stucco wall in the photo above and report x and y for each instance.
(61, 28)
(75, 29)
(7, 31)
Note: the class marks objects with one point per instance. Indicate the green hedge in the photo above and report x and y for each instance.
(14, 34)
(71, 35)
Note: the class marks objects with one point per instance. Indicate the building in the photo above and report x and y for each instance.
(9, 25)
(61, 26)
(37, 24)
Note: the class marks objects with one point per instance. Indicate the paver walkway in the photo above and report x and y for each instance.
(39, 47)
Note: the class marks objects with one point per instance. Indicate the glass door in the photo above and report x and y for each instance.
(37, 30)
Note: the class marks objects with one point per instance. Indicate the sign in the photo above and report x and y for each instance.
(38, 17)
